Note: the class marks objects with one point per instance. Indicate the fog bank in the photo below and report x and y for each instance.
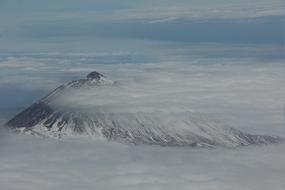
(40, 164)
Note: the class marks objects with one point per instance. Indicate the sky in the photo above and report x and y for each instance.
(76, 26)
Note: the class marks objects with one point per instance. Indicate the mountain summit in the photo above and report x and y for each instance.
(94, 76)
(49, 117)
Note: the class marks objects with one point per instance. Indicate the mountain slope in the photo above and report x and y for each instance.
(48, 118)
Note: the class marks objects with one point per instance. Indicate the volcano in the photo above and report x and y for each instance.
(48, 118)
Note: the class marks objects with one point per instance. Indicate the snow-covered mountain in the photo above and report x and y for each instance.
(48, 118)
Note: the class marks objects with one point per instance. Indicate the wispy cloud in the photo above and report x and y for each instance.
(33, 26)
(186, 11)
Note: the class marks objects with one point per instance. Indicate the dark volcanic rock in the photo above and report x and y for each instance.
(31, 116)
(94, 75)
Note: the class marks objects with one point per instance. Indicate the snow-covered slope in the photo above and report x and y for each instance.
(48, 117)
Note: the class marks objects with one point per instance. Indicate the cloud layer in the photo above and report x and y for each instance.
(40, 164)
(243, 89)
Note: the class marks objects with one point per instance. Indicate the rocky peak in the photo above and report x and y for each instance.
(94, 75)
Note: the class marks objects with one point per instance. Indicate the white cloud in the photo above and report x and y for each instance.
(244, 94)
(41, 164)
(23, 63)
(189, 11)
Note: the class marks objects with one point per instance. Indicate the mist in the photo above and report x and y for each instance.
(245, 95)
(35, 163)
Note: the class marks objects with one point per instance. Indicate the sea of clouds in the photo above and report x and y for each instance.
(41, 164)
(239, 86)
(221, 60)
